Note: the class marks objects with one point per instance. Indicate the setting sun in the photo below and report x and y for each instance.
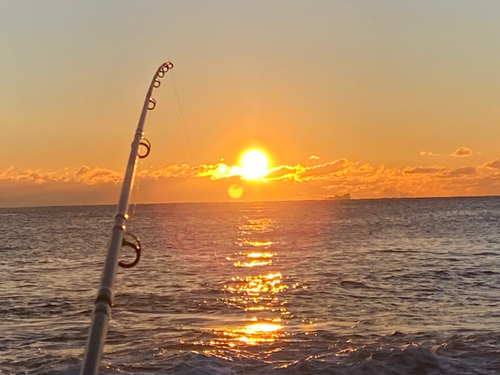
(253, 164)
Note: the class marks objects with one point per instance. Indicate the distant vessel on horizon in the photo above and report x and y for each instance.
(346, 196)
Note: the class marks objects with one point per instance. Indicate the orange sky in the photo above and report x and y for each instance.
(373, 98)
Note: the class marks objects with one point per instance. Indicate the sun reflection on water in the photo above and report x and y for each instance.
(258, 255)
(248, 242)
(253, 333)
(254, 263)
(259, 226)
(255, 290)
(254, 258)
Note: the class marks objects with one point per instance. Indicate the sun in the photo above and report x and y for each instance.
(253, 164)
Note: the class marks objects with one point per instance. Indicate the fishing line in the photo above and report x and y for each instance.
(135, 195)
(135, 189)
(182, 117)
(192, 160)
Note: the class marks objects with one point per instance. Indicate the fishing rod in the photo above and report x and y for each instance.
(119, 238)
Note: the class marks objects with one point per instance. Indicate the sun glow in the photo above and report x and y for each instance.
(253, 165)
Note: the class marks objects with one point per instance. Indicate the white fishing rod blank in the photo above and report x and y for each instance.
(105, 296)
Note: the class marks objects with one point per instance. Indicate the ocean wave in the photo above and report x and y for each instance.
(453, 357)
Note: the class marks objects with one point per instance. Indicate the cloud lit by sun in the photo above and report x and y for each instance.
(253, 164)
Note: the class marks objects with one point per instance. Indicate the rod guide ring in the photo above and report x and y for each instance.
(144, 142)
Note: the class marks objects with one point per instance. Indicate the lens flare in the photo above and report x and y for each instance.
(235, 191)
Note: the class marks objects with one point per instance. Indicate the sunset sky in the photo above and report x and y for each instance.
(375, 98)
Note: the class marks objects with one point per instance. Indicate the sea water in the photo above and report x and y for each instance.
(393, 286)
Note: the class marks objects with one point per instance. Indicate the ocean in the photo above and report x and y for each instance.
(390, 286)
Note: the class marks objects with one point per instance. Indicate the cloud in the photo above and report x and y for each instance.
(495, 164)
(215, 172)
(285, 172)
(422, 170)
(428, 153)
(440, 171)
(462, 171)
(85, 175)
(313, 157)
(325, 169)
(461, 152)
(4, 174)
(364, 168)
(209, 182)
(95, 175)
(174, 170)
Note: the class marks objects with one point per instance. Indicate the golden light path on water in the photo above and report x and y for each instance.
(255, 292)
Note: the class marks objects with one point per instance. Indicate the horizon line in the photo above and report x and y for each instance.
(344, 201)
